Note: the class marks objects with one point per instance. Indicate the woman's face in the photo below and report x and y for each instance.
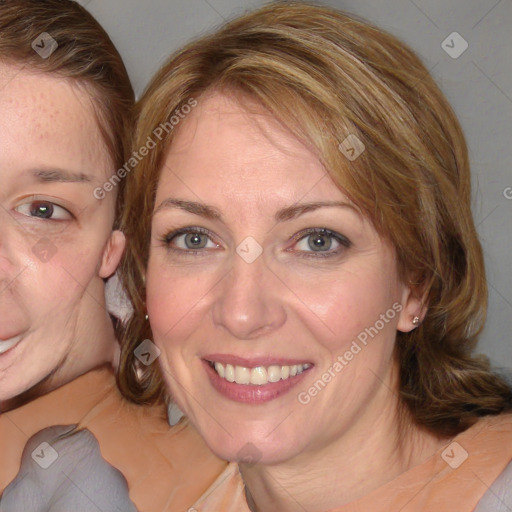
(274, 302)
(56, 240)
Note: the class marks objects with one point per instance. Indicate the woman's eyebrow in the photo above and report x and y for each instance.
(294, 211)
(213, 213)
(60, 176)
(204, 210)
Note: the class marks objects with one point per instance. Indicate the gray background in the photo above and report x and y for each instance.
(478, 83)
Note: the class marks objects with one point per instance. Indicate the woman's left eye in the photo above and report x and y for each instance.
(45, 210)
(321, 241)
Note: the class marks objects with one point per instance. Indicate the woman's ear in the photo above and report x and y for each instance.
(413, 308)
(112, 254)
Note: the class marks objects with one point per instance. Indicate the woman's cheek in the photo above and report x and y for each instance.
(173, 293)
(329, 306)
(60, 277)
(341, 310)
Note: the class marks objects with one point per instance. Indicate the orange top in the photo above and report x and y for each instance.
(167, 468)
(454, 478)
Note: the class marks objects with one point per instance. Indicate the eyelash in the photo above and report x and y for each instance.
(344, 242)
(167, 239)
(35, 200)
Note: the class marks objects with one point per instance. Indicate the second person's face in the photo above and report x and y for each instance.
(56, 239)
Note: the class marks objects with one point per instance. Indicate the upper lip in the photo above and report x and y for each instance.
(254, 362)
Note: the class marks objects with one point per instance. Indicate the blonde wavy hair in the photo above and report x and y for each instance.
(326, 75)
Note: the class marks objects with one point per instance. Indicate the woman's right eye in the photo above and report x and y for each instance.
(190, 240)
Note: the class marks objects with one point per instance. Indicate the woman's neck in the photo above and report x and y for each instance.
(369, 454)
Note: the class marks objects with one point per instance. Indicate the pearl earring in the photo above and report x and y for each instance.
(416, 320)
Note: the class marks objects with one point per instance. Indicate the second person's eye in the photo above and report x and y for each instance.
(45, 210)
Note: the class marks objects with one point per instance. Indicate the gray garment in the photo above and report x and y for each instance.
(62, 471)
(499, 496)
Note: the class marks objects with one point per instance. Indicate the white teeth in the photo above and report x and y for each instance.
(230, 373)
(242, 375)
(8, 344)
(259, 375)
(274, 373)
(220, 369)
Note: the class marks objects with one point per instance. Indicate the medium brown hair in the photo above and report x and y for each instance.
(85, 55)
(327, 75)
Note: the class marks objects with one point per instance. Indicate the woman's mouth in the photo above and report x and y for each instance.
(258, 376)
(254, 382)
(6, 345)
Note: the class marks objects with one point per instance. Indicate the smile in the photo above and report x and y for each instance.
(258, 376)
(6, 345)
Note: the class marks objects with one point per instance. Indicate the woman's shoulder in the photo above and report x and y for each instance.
(489, 461)
(491, 428)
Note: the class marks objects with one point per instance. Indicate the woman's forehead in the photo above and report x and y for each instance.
(47, 121)
(222, 139)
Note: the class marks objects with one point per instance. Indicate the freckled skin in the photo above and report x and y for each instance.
(282, 305)
(57, 305)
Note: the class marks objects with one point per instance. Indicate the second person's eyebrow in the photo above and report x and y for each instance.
(60, 176)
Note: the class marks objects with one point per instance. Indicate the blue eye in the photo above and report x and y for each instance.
(313, 242)
(190, 239)
(322, 241)
(45, 210)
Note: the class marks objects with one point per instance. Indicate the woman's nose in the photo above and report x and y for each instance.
(249, 300)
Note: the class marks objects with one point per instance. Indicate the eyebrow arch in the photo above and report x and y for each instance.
(60, 176)
(294, 211)
(211, 212)
(204, 210)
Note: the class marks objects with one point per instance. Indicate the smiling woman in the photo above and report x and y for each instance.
(66, 104)
(307, 231)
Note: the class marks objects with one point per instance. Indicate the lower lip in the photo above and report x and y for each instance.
(250, 394)
(7, 345)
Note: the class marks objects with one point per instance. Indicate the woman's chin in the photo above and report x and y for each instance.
(248, 450)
